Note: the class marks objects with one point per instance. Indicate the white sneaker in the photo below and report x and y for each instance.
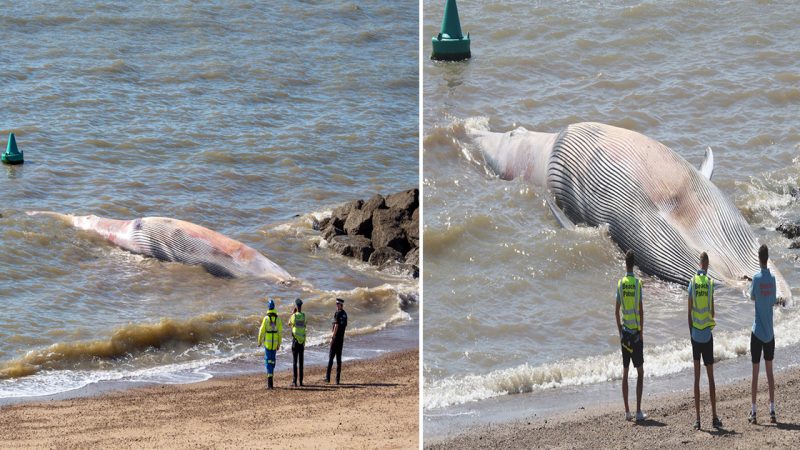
(628, 416)
(640, 416)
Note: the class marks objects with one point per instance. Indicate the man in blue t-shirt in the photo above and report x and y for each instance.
(762, 337)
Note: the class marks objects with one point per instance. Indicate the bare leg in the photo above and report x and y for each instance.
(754, 384)
(625, 388)
(697, 388)
(711, 389)
(639, 385)
(770, 381)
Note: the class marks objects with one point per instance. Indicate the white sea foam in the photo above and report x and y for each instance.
(660, 360)
(52, 382)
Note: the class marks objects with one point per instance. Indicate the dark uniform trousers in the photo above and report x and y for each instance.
(336, 351)
(297, 356)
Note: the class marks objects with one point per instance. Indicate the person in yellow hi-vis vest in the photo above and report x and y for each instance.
(629, 299)
(701, 322)
(298, 324)
(269, 335)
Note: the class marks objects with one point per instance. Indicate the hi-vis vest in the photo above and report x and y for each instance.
(702, 300)
(271, 326)
(298, 321)
(630, 296)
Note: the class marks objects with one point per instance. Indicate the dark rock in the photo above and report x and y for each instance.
(341, 212)
(359, 222)
(412, 257)
(795, 244)
(331, 231)
(355, 246)
(324, 223)
(412, 229)
(790, 230)
(384, 255)
(410, 269)
(375, 202)
(338, 222)
(406, 201)
(387, 230)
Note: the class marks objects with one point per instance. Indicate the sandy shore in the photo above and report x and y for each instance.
(669, 425)
(376, 406)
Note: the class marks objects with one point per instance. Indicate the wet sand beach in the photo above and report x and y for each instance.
(376, 406)
(669, 425)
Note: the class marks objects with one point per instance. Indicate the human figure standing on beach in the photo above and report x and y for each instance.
(337, 340)
(270, 336)
(629, 299)
(762, 337)
(298, 324)
(701, 322)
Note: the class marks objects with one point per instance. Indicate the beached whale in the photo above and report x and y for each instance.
(653, 200)
(179, 241)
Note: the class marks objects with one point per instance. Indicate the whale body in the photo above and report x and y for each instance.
(175, 240)
(652, 199)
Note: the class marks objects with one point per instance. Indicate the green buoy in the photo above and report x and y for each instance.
(12, 154)
(450, 44)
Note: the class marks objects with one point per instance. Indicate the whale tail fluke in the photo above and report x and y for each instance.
(517, 153)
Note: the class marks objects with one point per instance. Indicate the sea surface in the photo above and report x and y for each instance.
(515, 305)
(252, 119)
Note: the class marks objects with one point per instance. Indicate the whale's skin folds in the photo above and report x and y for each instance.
(176, 240)
(161, 239)
(179, 241)
(653, 201)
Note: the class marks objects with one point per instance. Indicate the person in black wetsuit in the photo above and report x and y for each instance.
(337, 340)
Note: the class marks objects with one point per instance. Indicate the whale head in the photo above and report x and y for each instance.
(516, 153)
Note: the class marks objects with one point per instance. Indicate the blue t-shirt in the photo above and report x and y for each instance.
(762, 293)
(701, 336)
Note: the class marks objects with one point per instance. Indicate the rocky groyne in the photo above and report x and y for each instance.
(383, 231)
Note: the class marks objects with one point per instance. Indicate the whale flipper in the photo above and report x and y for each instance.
(562, 218)
(707, 166)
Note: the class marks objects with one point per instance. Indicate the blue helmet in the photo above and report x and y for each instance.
(271, 304)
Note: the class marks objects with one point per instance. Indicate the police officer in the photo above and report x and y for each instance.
(337, 340)
(701, 322)
(270, 336)
(629, 299)
(298, 324)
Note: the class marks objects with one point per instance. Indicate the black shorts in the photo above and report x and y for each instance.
(756, 345)
(705, 349)
(637, 355)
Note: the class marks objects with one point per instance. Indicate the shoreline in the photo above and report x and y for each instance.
(441, 424)
(375, 406)
(393, 339)
(600, 424)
